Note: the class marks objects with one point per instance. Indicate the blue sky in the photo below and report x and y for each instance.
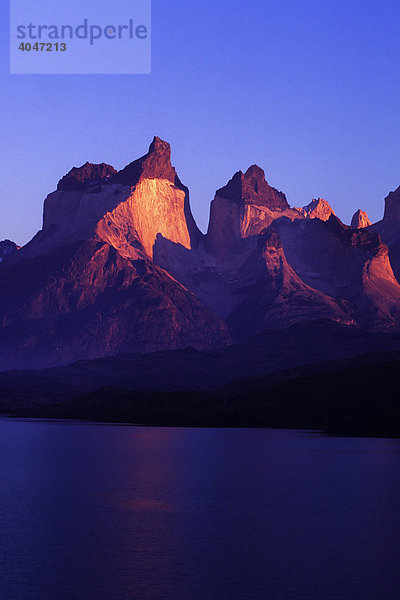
(309, 90)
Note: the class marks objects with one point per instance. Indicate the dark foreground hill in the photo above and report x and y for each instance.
(357, 401)
(312, 375)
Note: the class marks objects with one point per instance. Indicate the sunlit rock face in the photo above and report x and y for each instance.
(127, 209)
(7, 249)
(317, 209)
(243, 208)
(152, 207)
(157, 203)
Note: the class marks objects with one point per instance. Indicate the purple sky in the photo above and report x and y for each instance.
(308, 89)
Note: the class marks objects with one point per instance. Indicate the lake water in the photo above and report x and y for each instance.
(102, 512)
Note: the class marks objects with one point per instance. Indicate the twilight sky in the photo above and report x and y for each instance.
(307, 89)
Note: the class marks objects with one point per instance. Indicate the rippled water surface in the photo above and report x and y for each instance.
(98, 512)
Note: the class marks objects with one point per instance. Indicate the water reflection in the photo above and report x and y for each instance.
(100, 512)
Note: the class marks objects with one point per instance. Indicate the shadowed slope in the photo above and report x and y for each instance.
(86, 301)
(345, 263)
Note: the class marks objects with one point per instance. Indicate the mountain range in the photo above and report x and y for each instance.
(121, 308)
(121, 266)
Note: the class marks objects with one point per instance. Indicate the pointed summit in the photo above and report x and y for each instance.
(360, 220)
(127, 209)
(156, 164)
(157, 204)
(160, 146)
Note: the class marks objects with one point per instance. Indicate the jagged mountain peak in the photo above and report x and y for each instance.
(360, 220)
(318, 208)
(78, 178)
(245, 206)
(251, 187)
(128, 209)
(160, 146)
